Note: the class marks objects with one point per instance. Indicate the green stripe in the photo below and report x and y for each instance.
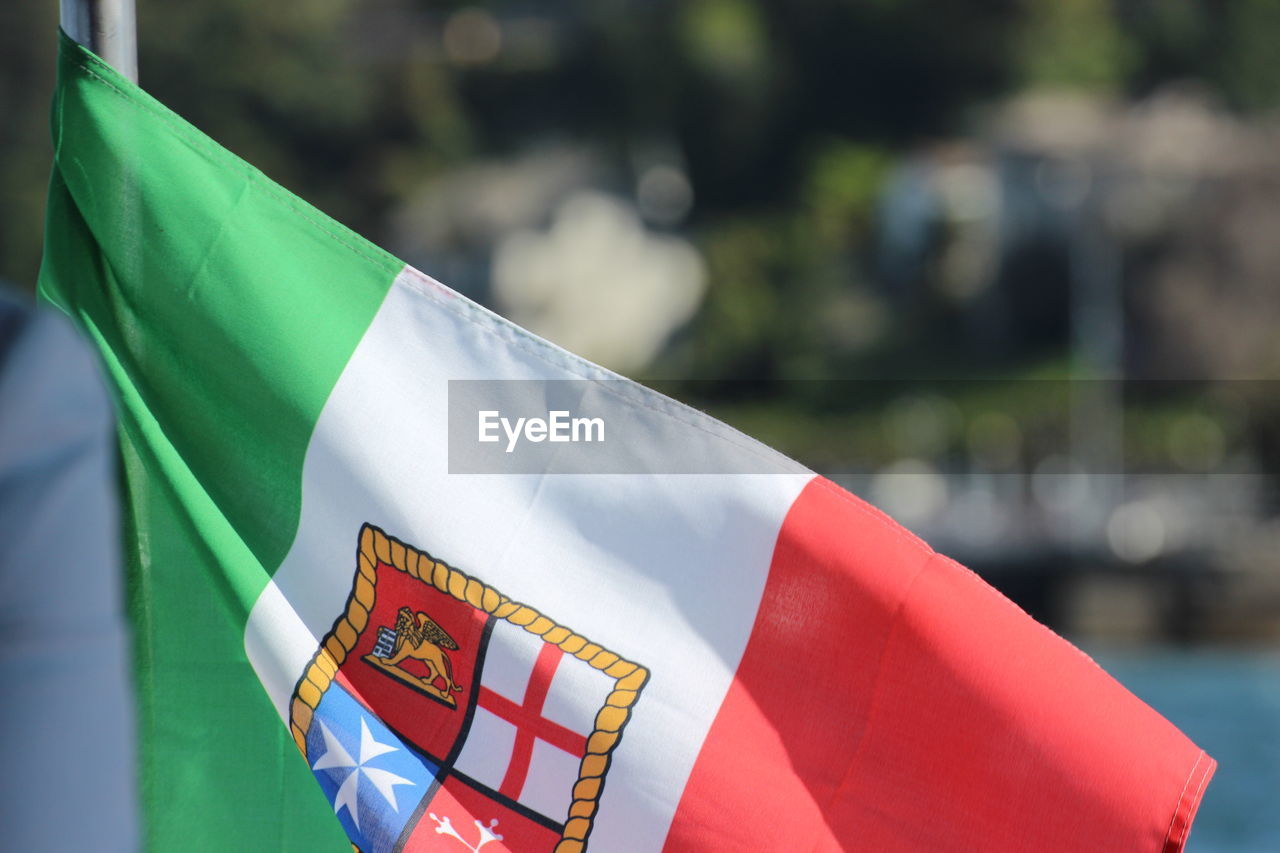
(225, 309)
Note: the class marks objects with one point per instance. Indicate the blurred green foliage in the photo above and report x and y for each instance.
(1249, 73)
(27, 48)
(352, 104)
(1075, 43)
(789, 118)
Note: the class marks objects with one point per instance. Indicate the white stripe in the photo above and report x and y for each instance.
(665, 570)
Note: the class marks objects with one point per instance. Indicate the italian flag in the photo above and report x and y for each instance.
(339, 643)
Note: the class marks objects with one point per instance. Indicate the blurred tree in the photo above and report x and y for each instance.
(1075, 44)
(27, 47)
(303, 91)
(1248, 71)
(1170, 39)
(785, 118)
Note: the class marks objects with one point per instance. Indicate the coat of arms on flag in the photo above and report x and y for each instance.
(437, 708)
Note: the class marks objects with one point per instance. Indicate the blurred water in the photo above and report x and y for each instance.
(1228, 702)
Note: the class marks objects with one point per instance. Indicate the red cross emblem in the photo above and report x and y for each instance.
(529, 723)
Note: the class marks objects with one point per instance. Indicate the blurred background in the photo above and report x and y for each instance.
(1008, 269)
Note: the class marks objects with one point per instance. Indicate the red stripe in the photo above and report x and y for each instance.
(888, 700)
(529, 722)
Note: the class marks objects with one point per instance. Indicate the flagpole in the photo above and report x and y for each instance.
(108, 28)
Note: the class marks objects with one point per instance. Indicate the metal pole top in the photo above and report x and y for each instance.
(108, 28)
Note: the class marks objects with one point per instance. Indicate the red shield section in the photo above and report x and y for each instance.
(427, 712)
(460, 809)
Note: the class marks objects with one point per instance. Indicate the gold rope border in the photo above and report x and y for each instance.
(376, 546)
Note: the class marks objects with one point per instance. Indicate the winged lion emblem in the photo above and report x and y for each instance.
(418, 637)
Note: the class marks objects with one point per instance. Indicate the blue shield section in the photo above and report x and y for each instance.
(372, 778)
